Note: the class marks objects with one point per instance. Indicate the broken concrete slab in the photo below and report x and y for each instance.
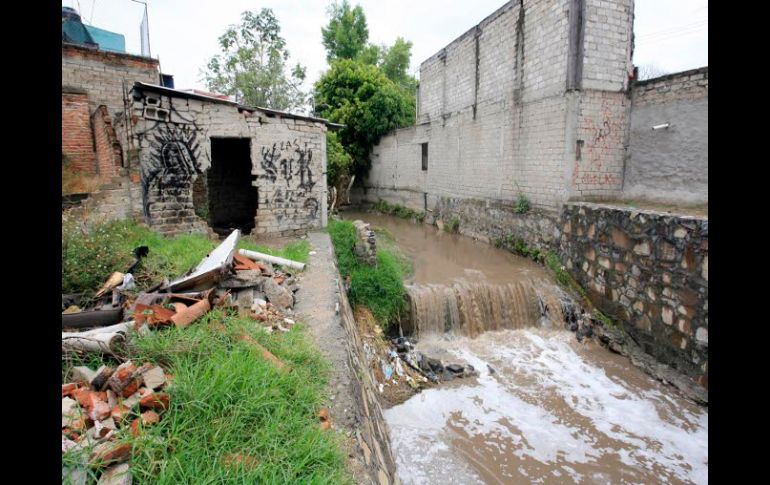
(74, 476)
(82, 375)
(154, 378)
(69, 412)
(276, 294)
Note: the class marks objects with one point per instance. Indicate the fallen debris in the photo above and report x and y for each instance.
(114, 280)
(190, 314)
(325, 418)
(211, 269)
(265, 353)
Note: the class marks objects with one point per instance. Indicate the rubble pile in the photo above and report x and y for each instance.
(102, 408)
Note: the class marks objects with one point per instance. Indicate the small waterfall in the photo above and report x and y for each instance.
(470, 308)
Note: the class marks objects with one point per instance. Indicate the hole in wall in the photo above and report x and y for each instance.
(232, 197)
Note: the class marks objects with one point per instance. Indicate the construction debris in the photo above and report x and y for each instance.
(102, 408)
(97, 421)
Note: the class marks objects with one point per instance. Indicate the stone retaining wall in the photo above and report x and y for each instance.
(648, 270)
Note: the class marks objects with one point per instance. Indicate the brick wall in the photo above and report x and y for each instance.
(102, 74)
(77, 140)
(493, 106)
(670, 164)
(109, 154)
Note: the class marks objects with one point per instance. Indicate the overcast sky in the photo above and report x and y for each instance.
(673, 35)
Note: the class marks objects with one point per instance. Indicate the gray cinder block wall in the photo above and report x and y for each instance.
(669, 164)
(533, 101)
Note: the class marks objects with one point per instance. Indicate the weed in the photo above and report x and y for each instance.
(398, 210)
(522, 204)
(454, 224)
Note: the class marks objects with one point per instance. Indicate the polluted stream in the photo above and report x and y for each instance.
(544, 408)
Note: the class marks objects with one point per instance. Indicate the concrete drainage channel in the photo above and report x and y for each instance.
(536, 400)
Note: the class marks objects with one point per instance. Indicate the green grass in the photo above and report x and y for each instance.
(380, 288)
(398, 210)
(88, 259)
(226, 399)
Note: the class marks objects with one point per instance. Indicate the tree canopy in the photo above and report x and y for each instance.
(253, 65)
(361, 97)
(346, 35)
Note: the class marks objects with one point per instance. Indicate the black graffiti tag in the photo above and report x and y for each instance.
(268, 163)
(305, 173)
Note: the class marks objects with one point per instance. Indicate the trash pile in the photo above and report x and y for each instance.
(244, 280)
(429, 369)
(100, 407)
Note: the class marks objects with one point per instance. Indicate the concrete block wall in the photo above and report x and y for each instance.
(103, 74)
(607, 45)
(76, 137)
(669, 165)
(288, 157)
(494, 108)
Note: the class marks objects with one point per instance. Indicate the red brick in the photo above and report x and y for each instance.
(157, 401)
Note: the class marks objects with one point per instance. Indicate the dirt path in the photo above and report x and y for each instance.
(316, 306)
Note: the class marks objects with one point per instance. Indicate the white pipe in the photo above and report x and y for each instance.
(98, 342)
(271, 259)
(120, 327)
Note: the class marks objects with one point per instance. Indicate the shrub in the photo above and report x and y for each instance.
(454, 224)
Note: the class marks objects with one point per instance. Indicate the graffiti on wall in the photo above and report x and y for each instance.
(597, 161)
(289, 165)
(173, 162)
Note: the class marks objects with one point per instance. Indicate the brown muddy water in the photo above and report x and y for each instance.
(545, 408)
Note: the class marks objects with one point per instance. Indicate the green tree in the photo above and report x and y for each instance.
(346, 35)
(338, 161)
(361, 97)
(252, 66)
(395, 64)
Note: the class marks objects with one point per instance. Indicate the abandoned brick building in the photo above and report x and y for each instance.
(184, 161)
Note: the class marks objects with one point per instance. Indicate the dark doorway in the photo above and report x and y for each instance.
(232, 197)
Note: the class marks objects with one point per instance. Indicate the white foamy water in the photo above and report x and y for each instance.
(554, 411)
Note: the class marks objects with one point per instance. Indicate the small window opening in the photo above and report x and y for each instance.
(424, 156)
